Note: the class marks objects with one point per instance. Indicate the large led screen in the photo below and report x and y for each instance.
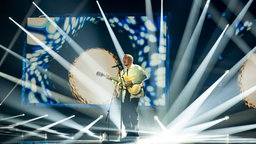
(62, 67)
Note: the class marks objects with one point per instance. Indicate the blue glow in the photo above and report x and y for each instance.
(243, 27)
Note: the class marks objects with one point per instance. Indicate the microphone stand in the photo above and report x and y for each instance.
(107, 116)
(121, 98)
(108, 111)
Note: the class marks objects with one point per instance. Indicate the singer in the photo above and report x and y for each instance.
(132, 77)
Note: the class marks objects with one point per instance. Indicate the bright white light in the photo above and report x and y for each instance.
(201, 127)
(184, 118)
(9, 93)
(40, 90)
(11, 117)
(185, 63)
(18, 32)
(45, 136)
(222, 107)
(87, 81)
(55, 123)
(230, 130)
(226, 117)
(160, 123)
(118, 47)
(86, 130)
(24, 122)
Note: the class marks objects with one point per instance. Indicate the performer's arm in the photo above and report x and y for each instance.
(112, 78)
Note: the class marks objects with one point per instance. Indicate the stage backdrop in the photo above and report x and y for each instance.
(64, 71)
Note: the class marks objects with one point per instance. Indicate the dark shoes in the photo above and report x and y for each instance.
(132, 134)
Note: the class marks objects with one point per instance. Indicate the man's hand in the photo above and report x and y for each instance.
(108, 77)
(128, 83)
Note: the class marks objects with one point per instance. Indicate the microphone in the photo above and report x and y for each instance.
(116, 66)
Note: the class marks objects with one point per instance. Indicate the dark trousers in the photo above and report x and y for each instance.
(129, 112)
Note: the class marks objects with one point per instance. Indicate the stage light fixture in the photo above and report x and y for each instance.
(45, 136)
(11, 117)
(226, 117)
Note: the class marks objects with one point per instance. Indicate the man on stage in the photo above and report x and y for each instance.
(132, 76)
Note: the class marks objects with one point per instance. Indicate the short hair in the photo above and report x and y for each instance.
(129, 56)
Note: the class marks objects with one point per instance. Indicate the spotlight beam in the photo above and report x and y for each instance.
(235, 6)
(238, 65)
(201, 127)
(14, 54)
(184, 56)
(55, 77)
(229, 33)
(185, 62)
(161, 24)
(80, 7)
(160, 123)
(65, 99)
(55, 123)
(45, 128)
(118, 47)
(226, 37)
(149, 14)
(54, 117)
(214, 112)
(60, 59)
(184, 118)
(221, 22)
(9, 93)
(85, 80)
(11, 117)
(185, 95)
(231, 130)
(23, 122)
(193, 15)
(239, 17)
(149, 11)
(78, 49)
(17, 120)
(18, 32)
(231, 30)
(86, 130)
(153, 47)
(92, 64)
(30, 133)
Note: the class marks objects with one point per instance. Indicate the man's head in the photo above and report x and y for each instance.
(128, 60)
